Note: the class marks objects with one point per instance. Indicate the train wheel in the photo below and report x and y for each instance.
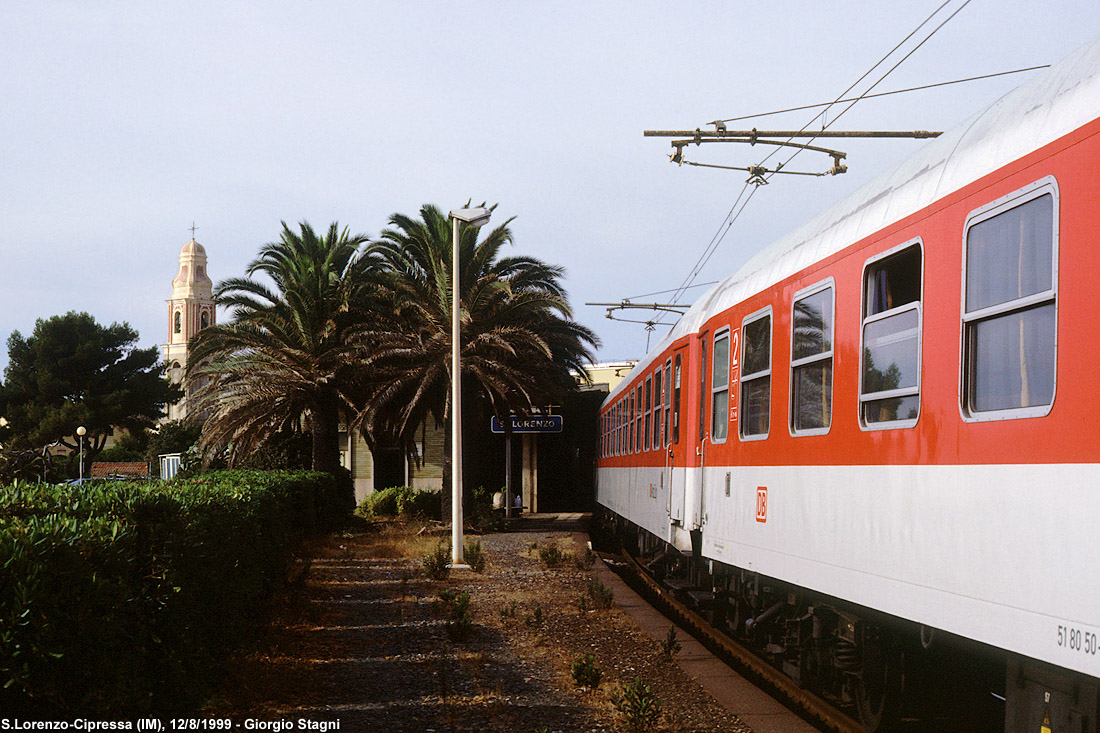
(879, 684)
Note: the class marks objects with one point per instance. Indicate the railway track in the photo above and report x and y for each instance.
(812, 707)
(951, 686)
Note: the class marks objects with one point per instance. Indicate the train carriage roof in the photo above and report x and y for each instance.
(1050, 105)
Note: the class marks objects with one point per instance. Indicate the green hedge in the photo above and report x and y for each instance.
(125, 598)
(403, 501)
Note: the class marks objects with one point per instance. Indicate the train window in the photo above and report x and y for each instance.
(890, 372)
(630, 424)
(611, 432)
(756, 375)
(676, 392)
(619, 428)
(622, 427)
(624, 419)
(648, 412)
(656, 436)
(1009, 306)
(812, 360)
(668, 401)
(720, 388)
(638, 419)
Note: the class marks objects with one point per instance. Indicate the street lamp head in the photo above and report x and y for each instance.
(81, 431)
(477, 217)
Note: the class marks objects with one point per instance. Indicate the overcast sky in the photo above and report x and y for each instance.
(121, 123)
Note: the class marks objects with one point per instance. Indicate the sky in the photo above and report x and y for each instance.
(124, 123)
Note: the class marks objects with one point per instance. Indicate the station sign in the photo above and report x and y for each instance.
(532, 424)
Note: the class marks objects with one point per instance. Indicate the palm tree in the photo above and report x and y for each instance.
(519, 342)
(282, 361)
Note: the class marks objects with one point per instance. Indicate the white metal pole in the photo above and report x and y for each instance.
(456, 405)
(80, 433)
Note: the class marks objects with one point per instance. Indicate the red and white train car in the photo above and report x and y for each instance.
(893, 415)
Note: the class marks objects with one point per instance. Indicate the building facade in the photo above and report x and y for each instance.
(190, 309)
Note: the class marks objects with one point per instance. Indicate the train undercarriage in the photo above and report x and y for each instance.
(887, 673)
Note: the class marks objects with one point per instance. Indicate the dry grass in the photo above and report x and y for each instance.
(411, 540)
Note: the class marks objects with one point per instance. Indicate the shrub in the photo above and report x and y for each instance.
(601, 595)
(670, 645)
(585, 560)
(400, 501)
(460, 625)
(638, 705)
(481, 511)
(437, 563)
(119, 598)
(585, 672)
(551, 556)
(475, 558)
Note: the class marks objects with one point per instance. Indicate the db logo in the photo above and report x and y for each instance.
(761, 503)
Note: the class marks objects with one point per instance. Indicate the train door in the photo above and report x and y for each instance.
(677, 455)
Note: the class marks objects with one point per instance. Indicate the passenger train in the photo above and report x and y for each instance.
(881, 434)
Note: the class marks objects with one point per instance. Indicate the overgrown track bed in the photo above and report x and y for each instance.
(942, 696)
(367, 641)
(740, 657)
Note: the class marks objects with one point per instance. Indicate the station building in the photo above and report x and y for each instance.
(553, 463)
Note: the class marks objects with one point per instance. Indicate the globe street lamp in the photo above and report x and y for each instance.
(81, 432)
(475, 217)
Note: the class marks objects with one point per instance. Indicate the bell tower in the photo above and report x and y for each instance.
(190, 309)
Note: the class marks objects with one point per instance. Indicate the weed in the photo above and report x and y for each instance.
(404, 584)
(475, 558)
(600, 593)
(638, 705)
(535, 619)
(585, 560)
(461, 625)
(585, 672)
(552, 556)
(670, 645)
(582, 603)
(437, 563)
(508, 611)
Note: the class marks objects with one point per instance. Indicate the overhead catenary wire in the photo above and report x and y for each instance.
(735, 212)
(671, 290)
(889, 71)
(883, 94)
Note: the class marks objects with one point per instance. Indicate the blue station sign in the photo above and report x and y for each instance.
(533, 424)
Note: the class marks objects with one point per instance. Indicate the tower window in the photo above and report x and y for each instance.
(204, 320)
(177, 323)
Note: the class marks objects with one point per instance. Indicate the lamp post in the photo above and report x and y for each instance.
(476, 218)
(80, 433)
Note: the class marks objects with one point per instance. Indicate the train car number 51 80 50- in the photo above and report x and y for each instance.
(1076, 639)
